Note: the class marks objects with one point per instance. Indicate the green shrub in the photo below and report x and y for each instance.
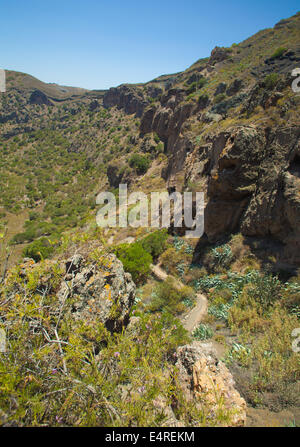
(19, 238)
(39, 249)
(135, 260)
(155, 243)
(291, 297)
(33, 215)
(156, 138)
(140, 163)
(170, 259)
(239, 353)
(278, 52)
(27, 236)
(265, 289)
(219, 98)
(271, 81)
(167, 297)
(43, 384)
(196, 85)
(159, 148)
(203, 100)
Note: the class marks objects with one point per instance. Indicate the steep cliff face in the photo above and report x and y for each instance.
(231, 123)
(128, 98)
(238, 139)
(253, 184)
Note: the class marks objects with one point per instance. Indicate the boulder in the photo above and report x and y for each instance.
(211, 117)
(103, 292)
(218, 54)
(207, 383)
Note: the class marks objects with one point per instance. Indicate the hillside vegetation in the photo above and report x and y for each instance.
(84, 345)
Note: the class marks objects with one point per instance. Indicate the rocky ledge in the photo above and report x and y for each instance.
(93, 292)
(207, 383)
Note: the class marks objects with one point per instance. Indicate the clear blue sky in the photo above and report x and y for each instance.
(103, 43)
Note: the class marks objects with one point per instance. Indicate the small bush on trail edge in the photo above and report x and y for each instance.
(135, 260)
(169, 298)
(265, 289)
(39, 249)
(202, 332)
(155, 243)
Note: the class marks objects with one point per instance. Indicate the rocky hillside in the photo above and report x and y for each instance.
(76, 347)
(228, 125)
(92, 337)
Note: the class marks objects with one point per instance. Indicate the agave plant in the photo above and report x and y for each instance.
(202, 332)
